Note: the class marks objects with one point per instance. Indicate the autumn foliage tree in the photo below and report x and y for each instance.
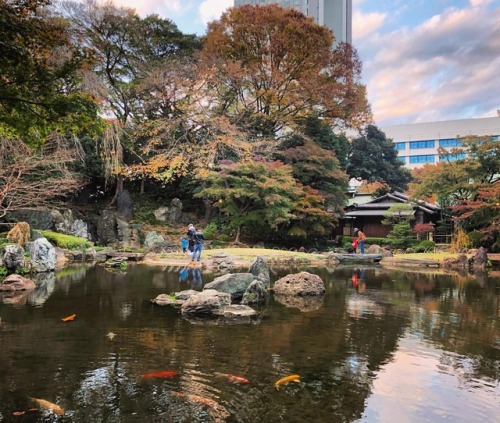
(257, 194)
(268, 66)
(468, 186)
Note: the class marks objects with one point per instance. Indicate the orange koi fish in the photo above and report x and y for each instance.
(233, 378)
(69, 318)
(160, 375)
(47, 405)
(286, 380)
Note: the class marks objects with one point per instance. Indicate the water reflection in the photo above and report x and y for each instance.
(404, 347)
(192, 276)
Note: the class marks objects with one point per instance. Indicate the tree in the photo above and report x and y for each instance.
(263, 194)
(399, 215)
(40, 89)
(312, 155)
(267, 66)
(373, 157)
(130, 49)
(483, 213)
(31, 178)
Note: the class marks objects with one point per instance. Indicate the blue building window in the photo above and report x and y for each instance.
(402, 159)
(425, 158)
(422, 144)
(451, 157)
(450, 142)
(400, 146)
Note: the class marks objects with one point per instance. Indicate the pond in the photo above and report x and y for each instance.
(380, 346)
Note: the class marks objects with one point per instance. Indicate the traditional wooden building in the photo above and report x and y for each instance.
(368, 216)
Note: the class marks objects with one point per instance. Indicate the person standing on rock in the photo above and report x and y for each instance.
(361, 240)
(190, 235)
(198, 239)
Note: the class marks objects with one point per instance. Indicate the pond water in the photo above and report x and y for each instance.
(380, 346)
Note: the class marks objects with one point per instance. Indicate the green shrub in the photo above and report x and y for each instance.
(68, 242)
(378, 241)
(210, 231)
(424, 245)
(475, 238)
(401, 236)
(4, 241)
(3, 271)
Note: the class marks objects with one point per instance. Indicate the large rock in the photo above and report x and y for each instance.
(222, 261)
(66, 223)
(13, 256)
(125, 205)
(19, 234)
(236, 311)
(208, 302)
(152, 240)
(42, 254)
(234, 284)
(127, 234)
(37, 219)
(107, 228)
(175, 211)
(377, 249)
(162, 213)
(300, 284)
(17, 283)
(260, 269)
(480, 258)
(178, 298)
(255, 293)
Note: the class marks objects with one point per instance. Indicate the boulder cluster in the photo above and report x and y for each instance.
(230, 296)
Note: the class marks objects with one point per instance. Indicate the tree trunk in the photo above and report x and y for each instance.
(119, 188)
(238, 231)
(143, 182)
(208, 210)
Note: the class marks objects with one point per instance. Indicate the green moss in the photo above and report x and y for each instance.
(68, 242)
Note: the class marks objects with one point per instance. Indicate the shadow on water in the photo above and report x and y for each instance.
(377, 346)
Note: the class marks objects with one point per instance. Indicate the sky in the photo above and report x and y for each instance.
(423, 60)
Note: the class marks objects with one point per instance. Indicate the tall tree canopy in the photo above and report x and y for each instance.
(373, 157)
(40, 72)
(127, 46)
(268, 66)
(312, 152)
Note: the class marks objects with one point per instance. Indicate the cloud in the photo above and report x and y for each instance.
(163, 7)
(365, 24)
(445, 68)
(213, 9)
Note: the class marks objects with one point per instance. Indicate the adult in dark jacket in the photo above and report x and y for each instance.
(198, 239)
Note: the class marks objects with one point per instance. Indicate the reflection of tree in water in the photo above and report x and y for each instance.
(336, 354)
(459, 320)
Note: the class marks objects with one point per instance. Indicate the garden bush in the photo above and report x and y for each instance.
(475, 239)
(424, 245)
(68, 242)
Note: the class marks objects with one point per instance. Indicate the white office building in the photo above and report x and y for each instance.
(336, 15)
(417, 143)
